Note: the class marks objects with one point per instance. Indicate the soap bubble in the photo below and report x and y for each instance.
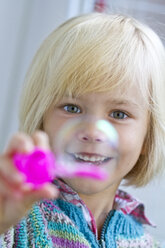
(87, 141)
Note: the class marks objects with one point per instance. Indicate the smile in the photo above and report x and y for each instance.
(90, 158)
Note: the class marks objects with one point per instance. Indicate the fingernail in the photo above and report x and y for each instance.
(27, 186)
(29, 147)
(54, 193)
(20, 178)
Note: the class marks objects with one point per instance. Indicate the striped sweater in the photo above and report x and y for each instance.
(66, 222)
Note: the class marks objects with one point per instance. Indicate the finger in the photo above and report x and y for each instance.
(7, 190)
(19, 143)
(9, 173)
(48, 191)
(41, 139)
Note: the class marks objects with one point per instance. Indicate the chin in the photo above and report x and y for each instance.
(87, 186)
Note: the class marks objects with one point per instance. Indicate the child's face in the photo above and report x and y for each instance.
(126, 111)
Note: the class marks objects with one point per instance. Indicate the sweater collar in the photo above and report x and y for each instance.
(130, 205)
(122, 202)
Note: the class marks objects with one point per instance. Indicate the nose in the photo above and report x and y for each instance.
(91, 134)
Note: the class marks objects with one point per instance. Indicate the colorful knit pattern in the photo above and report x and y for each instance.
(65, 223)
(62, 225)
(144, 242)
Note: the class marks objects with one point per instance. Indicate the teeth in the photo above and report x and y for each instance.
(91, 158)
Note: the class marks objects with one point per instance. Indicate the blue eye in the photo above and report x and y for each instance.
(72, 109)
(119, 115)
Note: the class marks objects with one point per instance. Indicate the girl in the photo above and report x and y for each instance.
(110, 67)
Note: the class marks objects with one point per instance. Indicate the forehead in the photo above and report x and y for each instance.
(119, 94)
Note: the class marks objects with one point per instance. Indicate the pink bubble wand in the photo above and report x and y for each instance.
(40, 167)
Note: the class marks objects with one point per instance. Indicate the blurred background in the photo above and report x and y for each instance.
(24, 24)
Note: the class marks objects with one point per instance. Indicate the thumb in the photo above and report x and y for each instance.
(48, 191)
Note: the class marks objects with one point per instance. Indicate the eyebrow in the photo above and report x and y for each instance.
(125, 103)
(119, 102)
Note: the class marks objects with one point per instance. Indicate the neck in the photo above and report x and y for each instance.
(100, 204)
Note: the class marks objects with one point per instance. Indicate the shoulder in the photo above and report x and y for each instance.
(130, 205)
(129, 232)
(131, 212)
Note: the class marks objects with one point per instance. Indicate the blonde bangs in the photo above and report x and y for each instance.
(98, 60)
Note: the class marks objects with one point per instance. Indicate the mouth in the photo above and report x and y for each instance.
(94, 159)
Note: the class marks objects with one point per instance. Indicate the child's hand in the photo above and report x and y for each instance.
(17, 197)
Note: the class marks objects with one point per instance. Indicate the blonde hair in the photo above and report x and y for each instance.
(95, 53)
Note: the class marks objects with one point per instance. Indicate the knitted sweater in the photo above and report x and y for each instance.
(65, 223)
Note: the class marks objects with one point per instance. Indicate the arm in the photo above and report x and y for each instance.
(17, 197)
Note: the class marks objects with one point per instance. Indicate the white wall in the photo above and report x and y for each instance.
(23, 26)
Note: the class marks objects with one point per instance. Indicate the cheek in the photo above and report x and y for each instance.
(130, 145)
(52, 127)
